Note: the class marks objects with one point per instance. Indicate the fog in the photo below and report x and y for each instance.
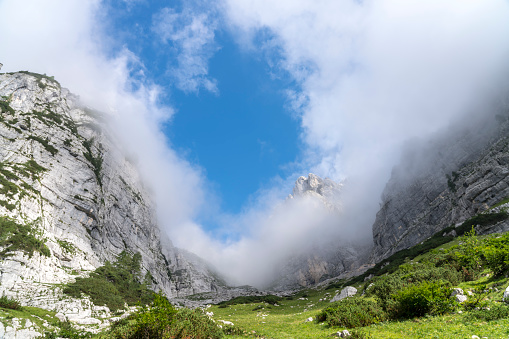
(371, 75)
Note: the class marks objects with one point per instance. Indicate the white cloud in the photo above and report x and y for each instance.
(64, 38)
(191, 34)
(375, 73)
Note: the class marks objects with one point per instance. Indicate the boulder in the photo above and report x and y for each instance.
(346, 292)
(461, 298)
(457, 291)
(343, 334)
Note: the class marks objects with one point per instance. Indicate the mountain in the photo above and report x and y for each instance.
(75, 199)
(325, 257)
(444, 181)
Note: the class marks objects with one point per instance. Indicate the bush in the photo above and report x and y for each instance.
(352, 312)
(19, 237)
(114, 284)
(496, 254)
(445, 273)
(424, 298)
(9, 303)
(162, 320)
(468, 255)
(154, 322)
(193, 324)
(384, 288)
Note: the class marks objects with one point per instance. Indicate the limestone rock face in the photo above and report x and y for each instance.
(328, 258)
(325, 190)
(64, 177)
(444, 182)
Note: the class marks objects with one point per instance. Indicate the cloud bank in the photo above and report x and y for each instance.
(371, 75)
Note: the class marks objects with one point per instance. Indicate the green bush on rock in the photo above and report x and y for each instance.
(114, 283)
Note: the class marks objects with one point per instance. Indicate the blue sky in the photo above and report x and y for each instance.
(242, 133)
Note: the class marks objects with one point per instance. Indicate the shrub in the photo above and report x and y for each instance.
(384, 288)
(154, 322)
(19, 237)
(352, 312)
(162, 320)
(193, 324)
(424, 298)
(10, 303)
(496, 254)
(114, 283)
(445, 273)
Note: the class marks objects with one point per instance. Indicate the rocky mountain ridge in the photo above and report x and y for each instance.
(445, 181)
(76, 197)
(328, 258)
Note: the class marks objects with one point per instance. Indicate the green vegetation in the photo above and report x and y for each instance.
(95, 161)
(5, 107)
(45, 143)
(162, 320)
(390, 264)
(18, 237)
(30, 169)
(10, 303)
(352, 312)
(40, 77)
(67, 246)
(66, 330)
(114, 283)
(48, 117)
(413, 300)
(269, 299)
(504, 201)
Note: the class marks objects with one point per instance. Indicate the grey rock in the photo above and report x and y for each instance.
(457, 291)
(328, 258)
(343, 334)
(346, 292)
(87, 202)
(506, 294)
(461, 298)
(444, 182)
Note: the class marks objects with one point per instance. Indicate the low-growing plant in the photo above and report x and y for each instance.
(66, 330)
(384, 288)
(494, 312)
(114, 283)
(20, 237)
(433, 298)
(269, 299)
(193, 324)
(10, 303)
(161, 320)
(496, 254)
(352, 312)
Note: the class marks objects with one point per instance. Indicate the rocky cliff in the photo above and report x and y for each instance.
(442, 182)
(327, 257)
(77, 200)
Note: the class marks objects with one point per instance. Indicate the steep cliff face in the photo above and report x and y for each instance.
(65, 182)
(326, 257)
(444, 182)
